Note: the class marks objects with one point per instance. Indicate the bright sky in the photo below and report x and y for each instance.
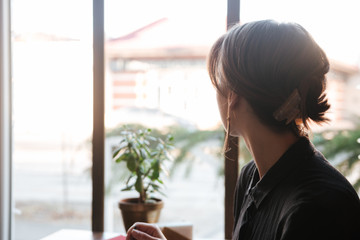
(333, 23)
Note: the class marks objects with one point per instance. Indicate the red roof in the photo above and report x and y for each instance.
(166, 38)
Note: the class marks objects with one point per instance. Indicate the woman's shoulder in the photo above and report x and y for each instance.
(325, 199)
(321, 177)
(317, 179)
(247, 170)
(246, 174)
(323, 219)
(316, 183)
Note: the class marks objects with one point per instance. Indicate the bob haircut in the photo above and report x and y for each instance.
(264, 62)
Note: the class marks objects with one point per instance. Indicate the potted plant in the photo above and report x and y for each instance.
(144, 155)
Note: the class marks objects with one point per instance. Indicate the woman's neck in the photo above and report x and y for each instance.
(267, 146)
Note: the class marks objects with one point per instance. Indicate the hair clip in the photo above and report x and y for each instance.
(290, 109)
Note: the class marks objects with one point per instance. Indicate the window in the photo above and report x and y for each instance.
(156, 76)
(51, 97)
(52, 116)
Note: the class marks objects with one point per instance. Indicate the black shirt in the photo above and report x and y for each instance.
(300, 197)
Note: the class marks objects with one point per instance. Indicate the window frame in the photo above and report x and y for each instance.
(98, 141)
(6, 204)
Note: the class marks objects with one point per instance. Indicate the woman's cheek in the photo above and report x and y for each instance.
(222, 105)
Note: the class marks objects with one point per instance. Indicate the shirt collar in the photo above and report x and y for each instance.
(287, 163)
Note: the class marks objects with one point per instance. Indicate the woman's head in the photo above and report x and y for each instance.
(277, 68)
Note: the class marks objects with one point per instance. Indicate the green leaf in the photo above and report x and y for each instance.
(137, 153)
(138, 184)
(142, 169)
(128, 188)
(143, 153)
(151, 138)
(155, 186)
(155, 174)
(131, 164)
(156, 171)
(154, 153)
(116, 152)
(162, 193)
(128, 180)
(123, 157)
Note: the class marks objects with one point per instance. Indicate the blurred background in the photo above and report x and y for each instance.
(155, 63)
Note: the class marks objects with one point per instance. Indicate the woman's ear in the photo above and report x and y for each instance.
(233, 100)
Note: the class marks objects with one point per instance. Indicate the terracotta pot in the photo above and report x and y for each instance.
(132, 211)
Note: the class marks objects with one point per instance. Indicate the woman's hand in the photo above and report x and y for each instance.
(144, 231)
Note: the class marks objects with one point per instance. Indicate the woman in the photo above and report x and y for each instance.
(270, 82)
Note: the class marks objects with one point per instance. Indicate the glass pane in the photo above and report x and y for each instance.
(52, 112)
(156, 77)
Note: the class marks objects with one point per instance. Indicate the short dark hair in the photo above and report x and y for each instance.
(264, 62)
